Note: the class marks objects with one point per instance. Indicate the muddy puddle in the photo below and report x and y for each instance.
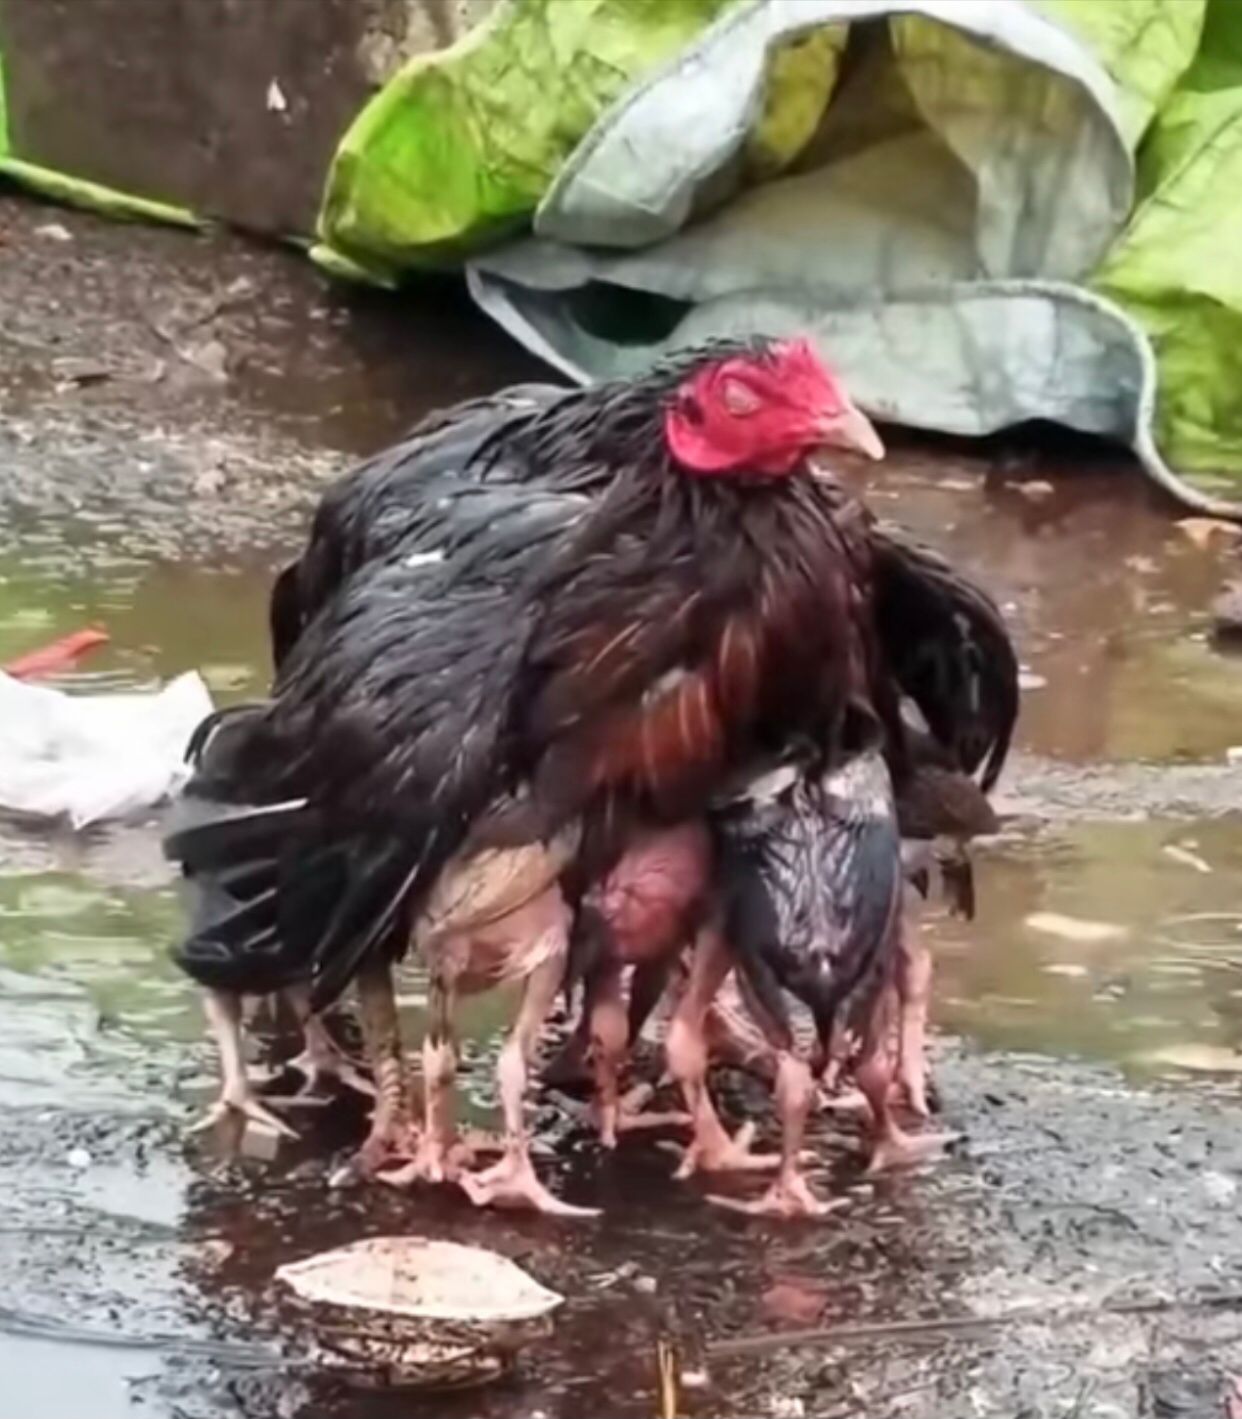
(1091, 1016)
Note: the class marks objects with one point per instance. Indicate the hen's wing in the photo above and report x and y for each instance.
(392, 497)
(312, 823)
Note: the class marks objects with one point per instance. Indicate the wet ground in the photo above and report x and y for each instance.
(168, 407)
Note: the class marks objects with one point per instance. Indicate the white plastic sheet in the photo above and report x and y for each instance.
(87, 758)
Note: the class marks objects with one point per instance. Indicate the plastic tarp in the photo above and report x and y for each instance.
(963, 171)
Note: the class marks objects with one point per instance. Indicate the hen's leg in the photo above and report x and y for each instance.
(237, 1098)
(790, 1194)
(891, 1147)
(391, 1137)
(512, 1181)
(914, 974)
(711, 1149)
(441, 1153)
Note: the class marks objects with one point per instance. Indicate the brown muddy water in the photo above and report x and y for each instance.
(1090, 1019)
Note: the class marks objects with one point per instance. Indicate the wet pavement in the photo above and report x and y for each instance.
(169, 406)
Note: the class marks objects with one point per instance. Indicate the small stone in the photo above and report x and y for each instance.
(53, 231)
(78, 1158)
(787, 1406)
(694, 1379)
(1036, 490)
(259, 1142)
(646, 1285)
(1227, 611)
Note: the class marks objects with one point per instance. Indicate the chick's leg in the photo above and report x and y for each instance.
(391, 1137)
(914, 975)
(512, 1181)
(790, 1194)
(610, 1041)
(237, 1098)
(711, 1149)
(890, 1146)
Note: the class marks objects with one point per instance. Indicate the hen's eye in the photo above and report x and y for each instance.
(691, 409)
(738, 398)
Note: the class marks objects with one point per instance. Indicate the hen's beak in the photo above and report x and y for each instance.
(851, 429)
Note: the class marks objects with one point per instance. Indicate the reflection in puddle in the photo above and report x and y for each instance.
(1100, 942)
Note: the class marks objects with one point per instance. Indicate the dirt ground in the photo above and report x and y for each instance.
(169, 408)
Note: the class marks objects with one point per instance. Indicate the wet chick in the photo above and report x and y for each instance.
(810, 880)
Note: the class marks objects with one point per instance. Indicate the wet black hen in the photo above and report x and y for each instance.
(661, 636)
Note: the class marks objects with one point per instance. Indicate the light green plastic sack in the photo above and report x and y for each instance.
(457, 149)
(1177, 268)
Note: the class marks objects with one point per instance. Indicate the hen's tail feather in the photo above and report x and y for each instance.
(950, 650)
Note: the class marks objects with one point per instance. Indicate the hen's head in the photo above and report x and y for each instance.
(763, 411)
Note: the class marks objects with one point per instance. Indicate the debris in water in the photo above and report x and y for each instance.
(422, 1278)
(53, 231)
(71, 372)
(1186, 857)
(1227, 611)
(1073, 928)
(1221, 1188)
(78, 1158)
(1029, 680)
(422, 1312)
(1065, 968)
(1203, 531)
(59, 655)
(1202, 1058)
(276, 101)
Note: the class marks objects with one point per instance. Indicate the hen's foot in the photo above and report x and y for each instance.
(789, 1196)
(512, 1183)
(904, 1150)
(439, 1160)
(713, 1151)
(391, 1144)
(240, 1105)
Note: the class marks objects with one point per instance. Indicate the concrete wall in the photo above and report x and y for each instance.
(174, 99)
